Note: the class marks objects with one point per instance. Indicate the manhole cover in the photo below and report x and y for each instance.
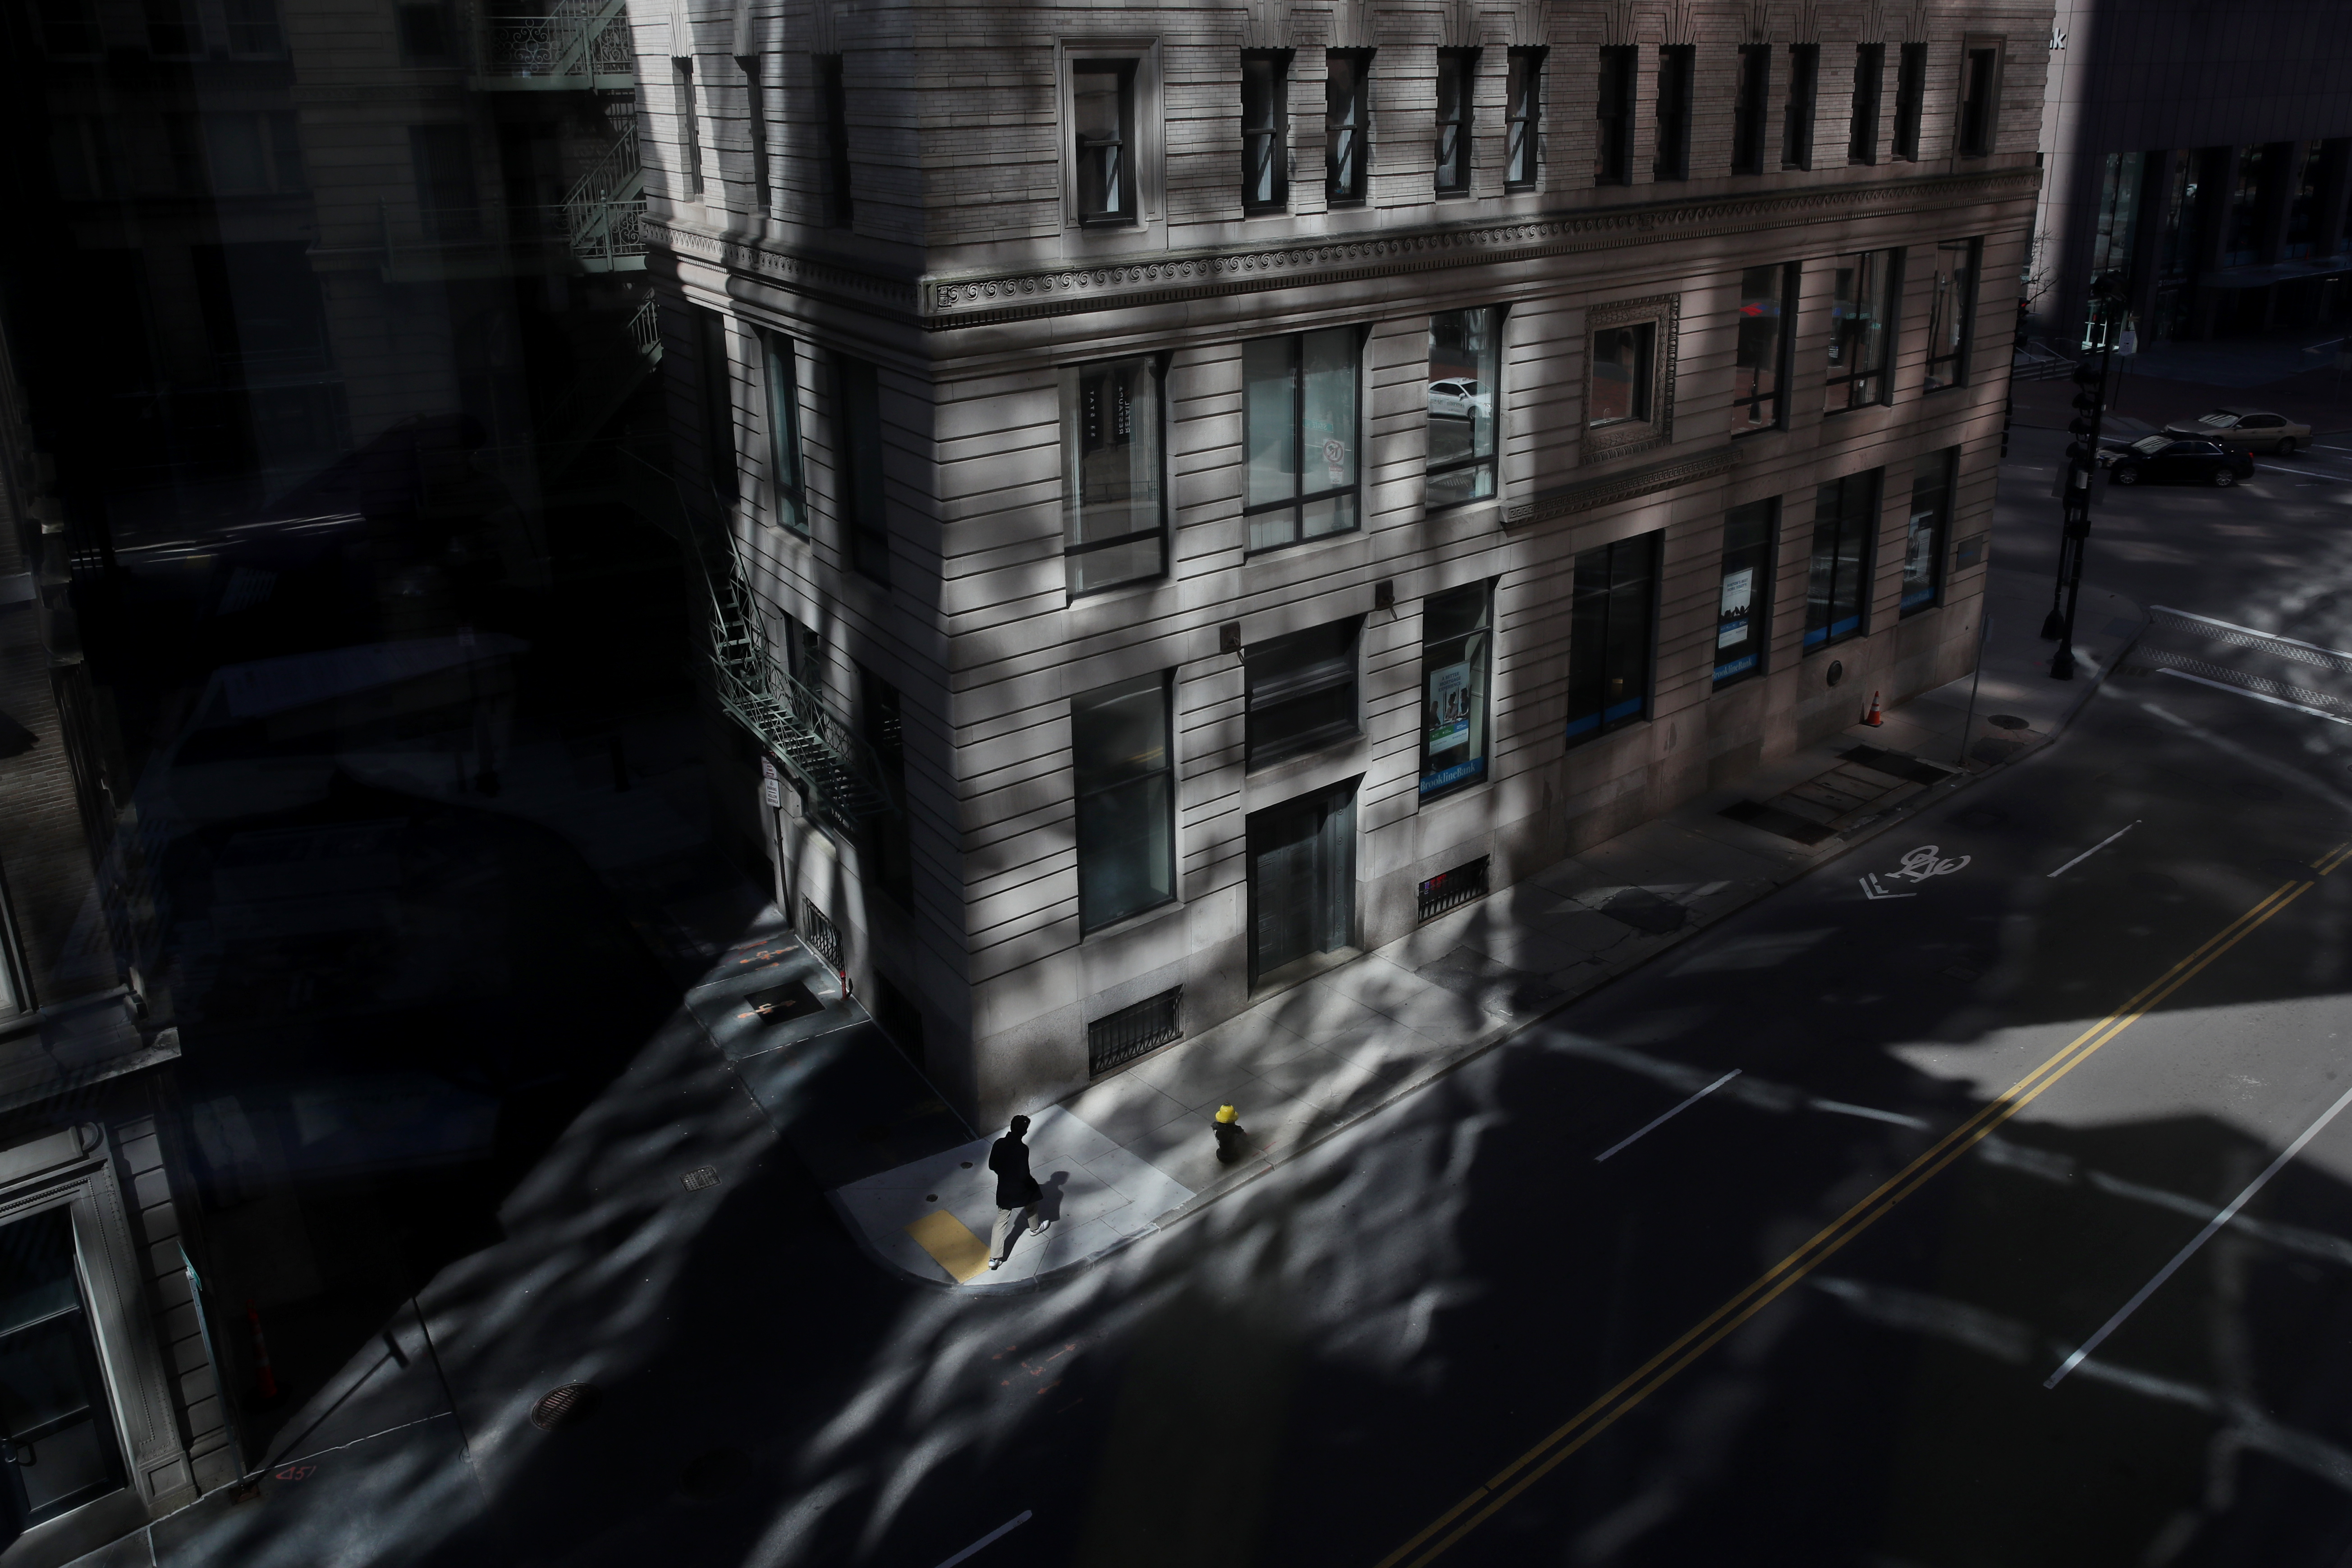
(700, 1177)
(709, 1477)
(2007, 721)
(565, 1406)
(1646, 911)
(1980, 816)
(2153, 882)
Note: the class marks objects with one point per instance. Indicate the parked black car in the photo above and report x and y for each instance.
(2165, 460)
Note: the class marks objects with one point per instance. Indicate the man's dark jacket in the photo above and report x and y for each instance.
(1014, 1185)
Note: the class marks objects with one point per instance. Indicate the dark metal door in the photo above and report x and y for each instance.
(1302, 878)
(57, 1444)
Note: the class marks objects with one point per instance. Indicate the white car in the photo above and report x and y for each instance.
(1458, 400)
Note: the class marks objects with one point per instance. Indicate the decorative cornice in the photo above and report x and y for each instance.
(974, 300)
(946, 301)
(1590, 495)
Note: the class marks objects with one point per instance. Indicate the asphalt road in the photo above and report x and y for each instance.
(1892, 1162)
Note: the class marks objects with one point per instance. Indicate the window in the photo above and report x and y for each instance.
(689, 124)
(1861, 332)
(254, 152)
(1453, 657)
(755, 105)
(1302, 692)
(1910, 100)
(1347, 125)
(70, 27)
(428, 34)
(1869, 85)
(1748, 108)
(1678, 68)
(1845, 518)
(1118, 1039)
(1613, 158)
(1465, 376)
(1952, 312)
(1744, 599)
(1265, 131)
(441, 158)
(1525, 91)
(2241, 238)
(2118, 214)
(1300, 424)
(1126, 779)
(885, 833)
(718, 402)
(1980, 99)
(1115, 515)
(838, 209)
(1611, 609)
(2303, 207)
(1102, 103)
(859, 419)
(784, 434)
(1931, 521)
(57, 1402)
(804, 657)
(253, 28)
(1457, 71)
(1623, 358)
(1797, 127)
(1767, 303)
(172, 29)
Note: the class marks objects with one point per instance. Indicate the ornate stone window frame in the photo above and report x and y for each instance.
(1148, 152)
(1607, 443)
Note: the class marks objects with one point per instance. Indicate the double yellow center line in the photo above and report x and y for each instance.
(1486, 1500)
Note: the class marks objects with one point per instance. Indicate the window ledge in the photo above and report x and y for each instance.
(1136, 921)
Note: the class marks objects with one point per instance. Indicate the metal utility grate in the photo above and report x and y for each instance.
(565, 1406)
(1452, 890)
(1117, 1038)
(822, 939)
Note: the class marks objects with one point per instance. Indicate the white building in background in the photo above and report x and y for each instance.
(1209, 487)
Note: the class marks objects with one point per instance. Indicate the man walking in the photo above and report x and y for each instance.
(1017, 1190)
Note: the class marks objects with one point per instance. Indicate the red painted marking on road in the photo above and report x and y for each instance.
(297, 1472)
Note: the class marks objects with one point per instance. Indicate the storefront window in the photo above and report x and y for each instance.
(1299, 415)
(1612, 616)
(1454, 659)
(1861, 329)
(1845, 514)
(1931, 524)
(1126, 789)
(1745, 596)
(1116, 523)
(1760, 362)
(1464, 374)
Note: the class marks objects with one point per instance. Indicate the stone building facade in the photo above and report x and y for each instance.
(1207, 486)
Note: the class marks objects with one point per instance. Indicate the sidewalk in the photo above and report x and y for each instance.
(1135, 1150)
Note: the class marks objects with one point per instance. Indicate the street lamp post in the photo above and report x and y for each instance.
(2099, 334)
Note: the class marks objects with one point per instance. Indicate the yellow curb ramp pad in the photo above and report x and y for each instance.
(951, 1246)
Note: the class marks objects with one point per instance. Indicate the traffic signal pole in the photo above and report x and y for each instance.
(2091, 382)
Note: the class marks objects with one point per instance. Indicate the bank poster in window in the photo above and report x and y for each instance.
(1732, 619)
(1449, 706)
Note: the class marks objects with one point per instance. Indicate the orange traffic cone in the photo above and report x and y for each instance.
(1871, 717)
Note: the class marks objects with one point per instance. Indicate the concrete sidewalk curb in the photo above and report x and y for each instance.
(1506, 1030)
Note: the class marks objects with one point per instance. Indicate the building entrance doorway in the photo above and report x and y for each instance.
(1302, 878)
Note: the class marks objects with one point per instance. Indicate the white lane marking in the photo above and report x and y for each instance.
(1651, 1126)
(1871, 890)
(2241, 691)
(2200, 1239)
(2250, 631)
(2278, 771)
(1840, 1108)
(2094, 848)
(1005, 1529)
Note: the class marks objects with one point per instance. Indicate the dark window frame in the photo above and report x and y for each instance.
(1846, 335)
(1910, 101)
(1328, 670)
(1802, 107)
(861, 460)
(1523, 142)
(1678, 90)
(1869, 94)
(1475, 646)
(755, 123)
(1760, 558)
(689, 115)
(882, 718)
(1457, 88)
(1979, 106)
(1946, 484)
(1266, 137)
(1108, 164)
(1074, 416)
(427, 30)
(787, 477)
(1612, 110)
(1301, 498)
(1645, 332)
(715, 367)
(1964, 299)
(1824, 627)
(840, 207)
(1790, 280)
(1488, 462)
(1346, 126)
(1751, 103)
(1085, 790)
(1643, 574)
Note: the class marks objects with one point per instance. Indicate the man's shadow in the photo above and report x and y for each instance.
(1050, 1192)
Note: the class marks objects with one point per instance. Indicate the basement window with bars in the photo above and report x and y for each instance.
(1117, 1038)
(818, 933)
(1452, 890)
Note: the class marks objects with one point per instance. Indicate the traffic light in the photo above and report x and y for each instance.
(2024, 334)
(2087, 374)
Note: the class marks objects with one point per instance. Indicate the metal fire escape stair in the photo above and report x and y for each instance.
(603, 212)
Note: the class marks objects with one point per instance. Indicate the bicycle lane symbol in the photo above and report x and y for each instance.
(1918, 865)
